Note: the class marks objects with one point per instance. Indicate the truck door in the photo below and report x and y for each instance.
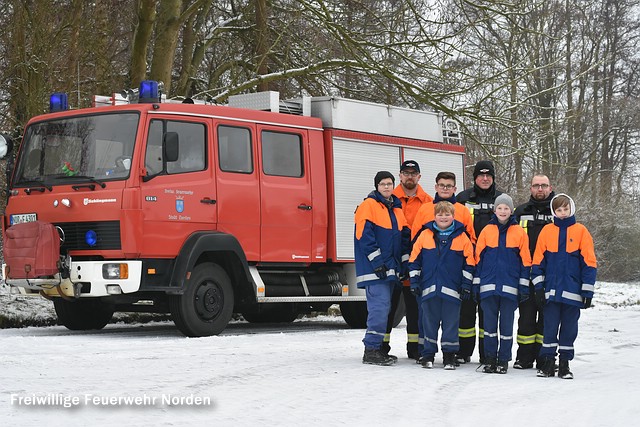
(286, 211)
(178, 197)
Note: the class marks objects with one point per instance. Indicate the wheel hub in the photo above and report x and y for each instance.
(209, 301)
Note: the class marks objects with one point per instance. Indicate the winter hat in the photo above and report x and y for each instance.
(382, 175)
(484, 166)
(503, 199)
(410, 164)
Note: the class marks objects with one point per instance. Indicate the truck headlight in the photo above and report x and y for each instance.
(115, 271)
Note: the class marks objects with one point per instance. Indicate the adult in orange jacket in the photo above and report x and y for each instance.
(412, 197)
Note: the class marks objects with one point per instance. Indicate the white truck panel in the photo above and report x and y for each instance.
(361, 116)
(354, 171)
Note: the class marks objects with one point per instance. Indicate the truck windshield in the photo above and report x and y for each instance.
(84, 148)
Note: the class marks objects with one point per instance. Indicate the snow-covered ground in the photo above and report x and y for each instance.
(306, 373)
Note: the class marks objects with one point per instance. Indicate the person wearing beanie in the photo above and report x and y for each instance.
(479, 199)
(532, 216)
(412, 196)
(564, 275)
(381, 249)
(501, 279)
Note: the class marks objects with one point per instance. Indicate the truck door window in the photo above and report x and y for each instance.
(191, 149)
(234, 149)
(282, 154)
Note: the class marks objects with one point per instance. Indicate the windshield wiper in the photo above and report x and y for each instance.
(38, 186)
(90, 178)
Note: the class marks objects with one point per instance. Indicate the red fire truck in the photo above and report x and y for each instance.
(202, 210)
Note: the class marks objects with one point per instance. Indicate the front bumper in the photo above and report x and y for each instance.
(86, 280)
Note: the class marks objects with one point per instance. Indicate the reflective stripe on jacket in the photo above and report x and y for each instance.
(440, 266)
(381, 238)
(503, 261)
(564, 262)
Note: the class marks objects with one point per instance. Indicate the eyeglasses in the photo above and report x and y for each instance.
(446, 187)
(539, 186)
(385, 184)
(412, 174)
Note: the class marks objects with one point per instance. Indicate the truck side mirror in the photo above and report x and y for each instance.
(170, 147)
(6, 146)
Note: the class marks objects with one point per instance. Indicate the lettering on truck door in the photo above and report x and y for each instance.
(285, 188)
(178, 197)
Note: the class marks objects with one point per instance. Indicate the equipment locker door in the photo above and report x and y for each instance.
(285, 185)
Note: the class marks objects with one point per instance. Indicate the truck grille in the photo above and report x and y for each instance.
(108, 233)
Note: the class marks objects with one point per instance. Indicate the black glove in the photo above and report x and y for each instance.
(381, 272)
(522, 296)
(416, 291)
(586, 302)
(465, 294)
(540, 299)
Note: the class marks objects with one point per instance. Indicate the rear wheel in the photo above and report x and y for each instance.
(206, 306)
(83, 314)
(355, 313)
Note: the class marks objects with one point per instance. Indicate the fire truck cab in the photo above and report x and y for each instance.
(205, 210)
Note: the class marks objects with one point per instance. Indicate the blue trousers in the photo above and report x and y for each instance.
(560, 330)
(437, 312)
(498, 315)
(378, 306)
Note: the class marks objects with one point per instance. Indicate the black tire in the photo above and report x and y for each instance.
(271, 313)
(83, 314)
(355, 313)
(206, 306)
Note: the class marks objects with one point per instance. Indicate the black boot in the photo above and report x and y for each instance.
(548, 368)
(412, 350)
(502, 367)
(449, 360)
(491, 365)
(563, 370)
(376, 357)
(385, 348)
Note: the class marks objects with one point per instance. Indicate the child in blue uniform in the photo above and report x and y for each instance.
(564, 275)
(441, 273)
(502, 278)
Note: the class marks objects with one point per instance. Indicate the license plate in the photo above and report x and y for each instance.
(20, 218)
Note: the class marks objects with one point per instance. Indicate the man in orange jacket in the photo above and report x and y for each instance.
(412, 197)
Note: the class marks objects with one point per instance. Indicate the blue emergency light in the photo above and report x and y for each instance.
(149, 92)
(58, 102)
(91, 238)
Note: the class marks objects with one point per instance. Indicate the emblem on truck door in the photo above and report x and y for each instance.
(179, 205)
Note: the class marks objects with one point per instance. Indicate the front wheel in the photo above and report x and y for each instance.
(206, 305)
(83, 314)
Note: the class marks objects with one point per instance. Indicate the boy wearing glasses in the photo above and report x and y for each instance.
(412, 196)
(445, 189)
(381, 249)
(532, 216)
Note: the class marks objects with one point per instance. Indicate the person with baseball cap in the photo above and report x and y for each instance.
(412, 196)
